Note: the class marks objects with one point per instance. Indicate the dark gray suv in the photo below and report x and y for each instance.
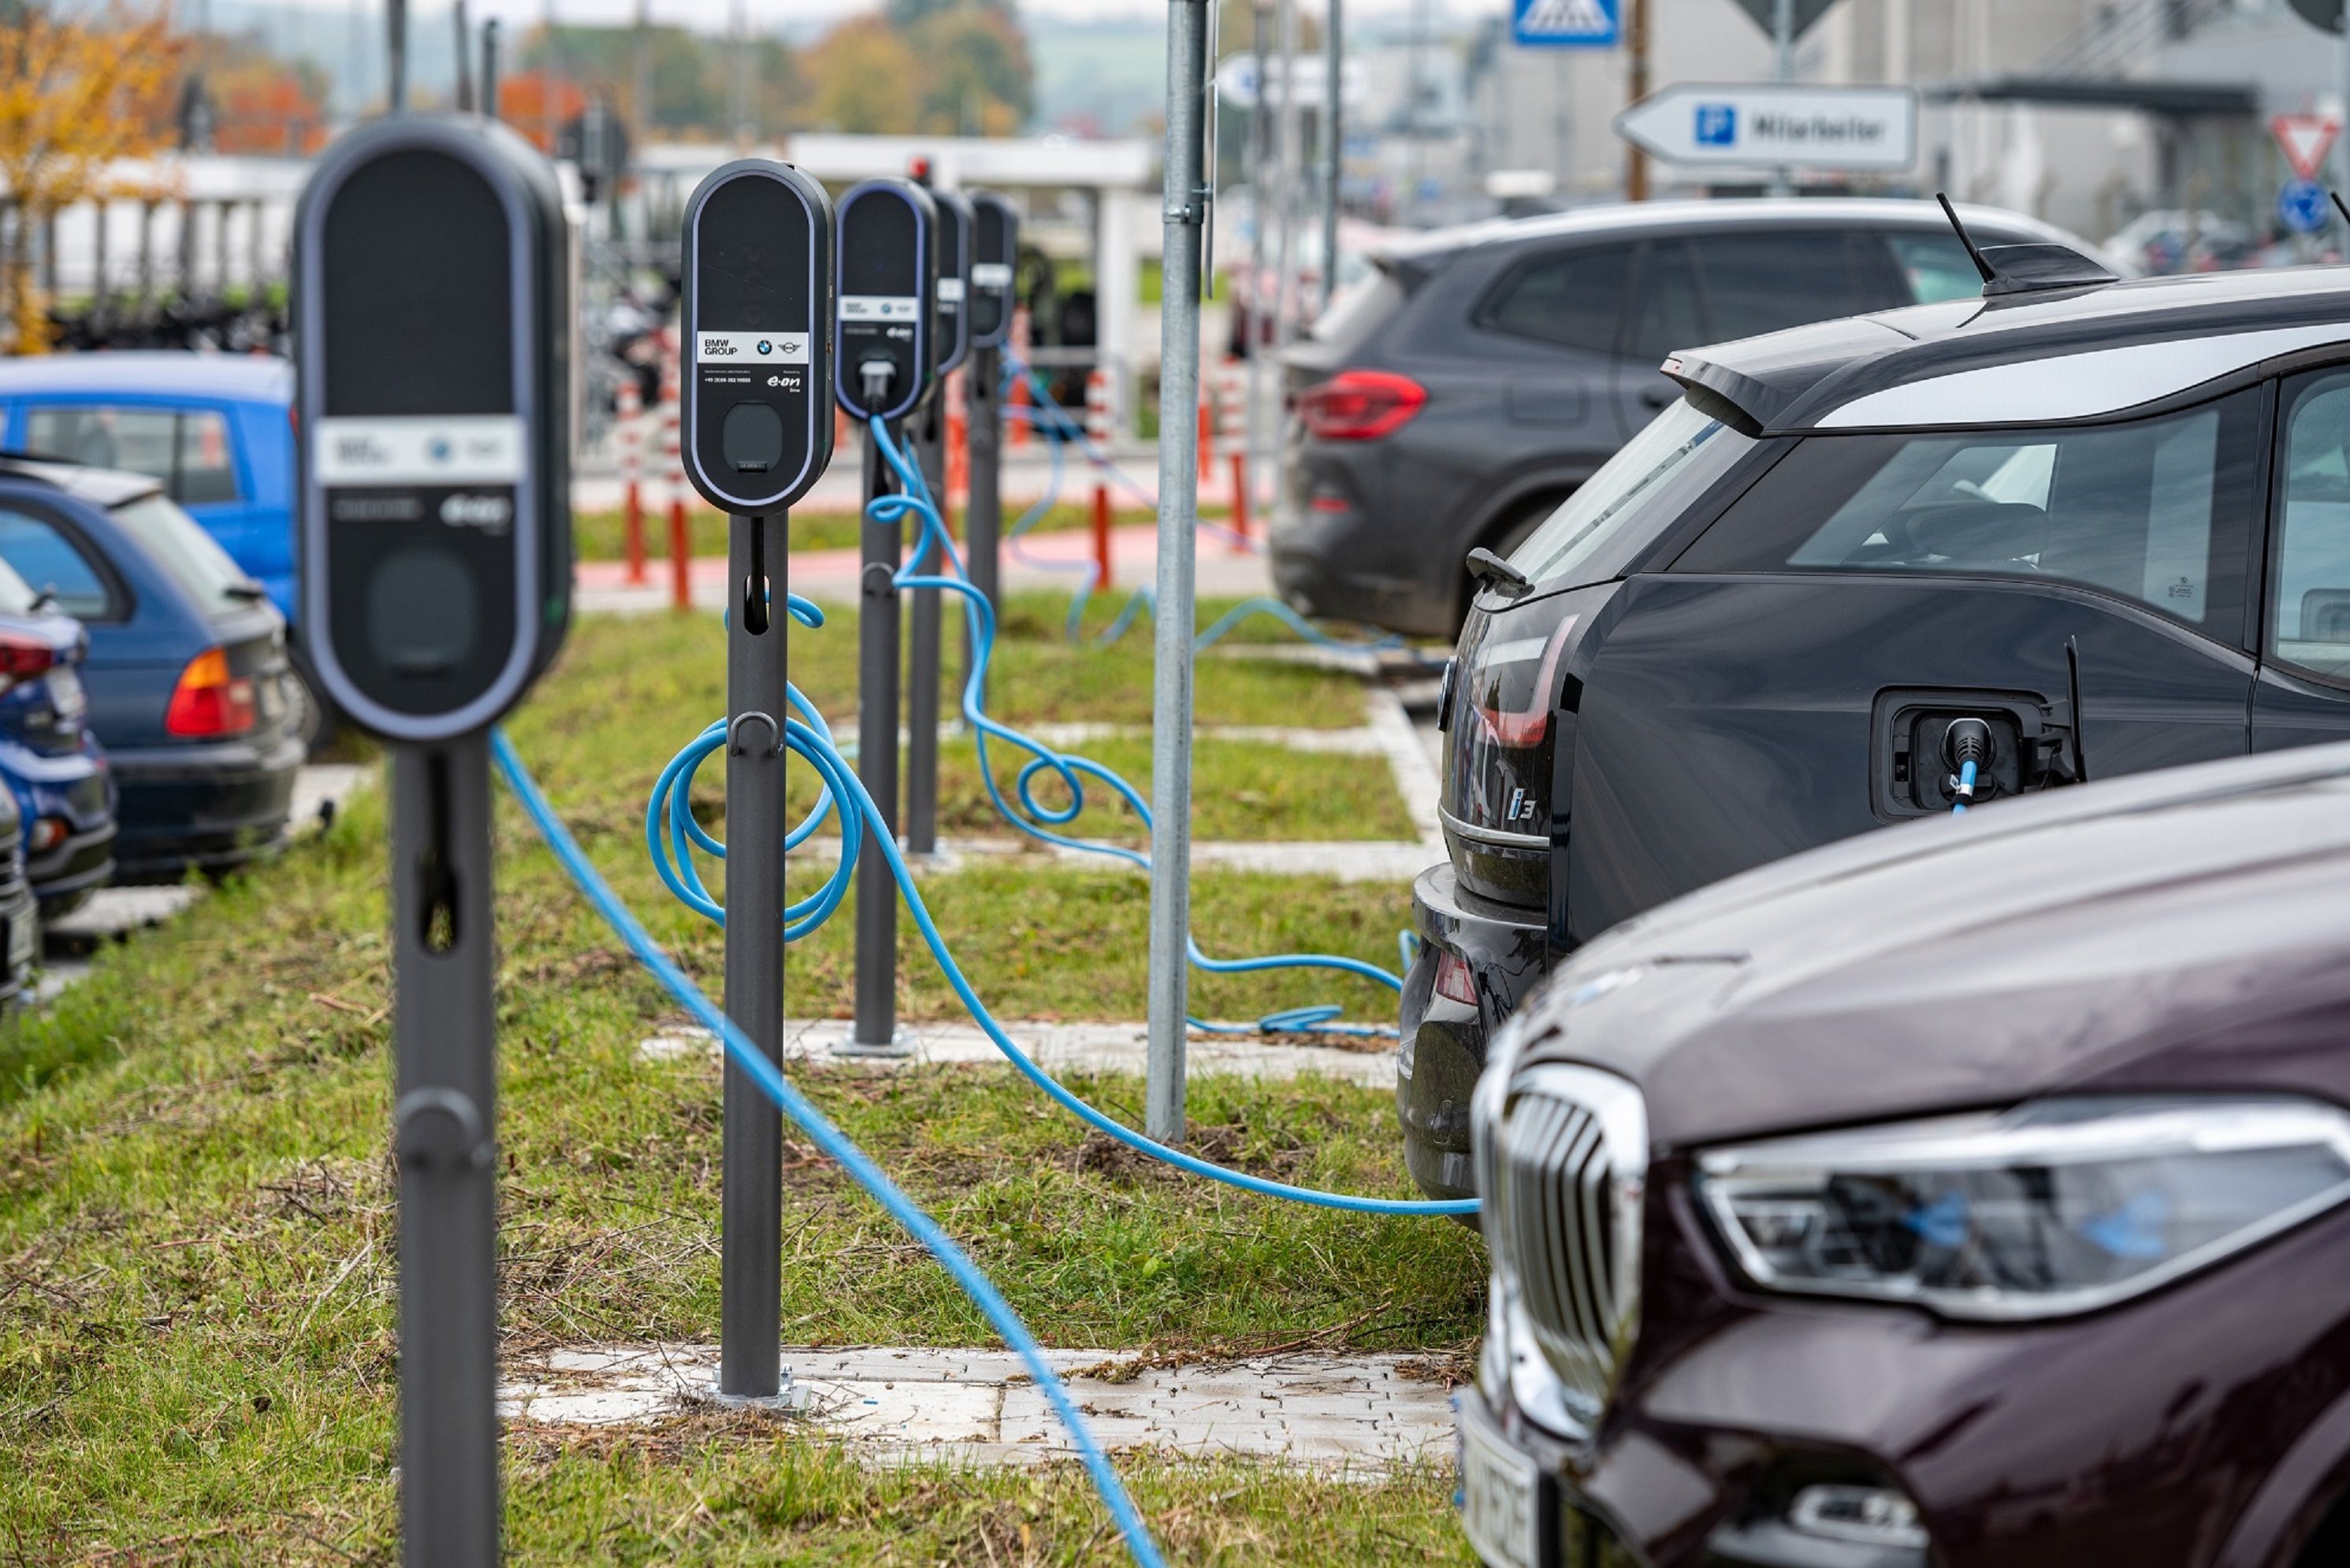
(1459, 397)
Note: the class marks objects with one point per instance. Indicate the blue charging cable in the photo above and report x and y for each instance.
(671, 835)
(836, 1144)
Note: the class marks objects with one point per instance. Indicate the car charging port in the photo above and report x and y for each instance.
(1967, 747)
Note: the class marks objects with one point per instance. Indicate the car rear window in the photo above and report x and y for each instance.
(1935, 267)
(1572, 298)
(1759, 282)
(1359, 311)
(2149, 510)
(186, 449)
(1650, 479)
(16, 595)
(40, 552)
(188, 553)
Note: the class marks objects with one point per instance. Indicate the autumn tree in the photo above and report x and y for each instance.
(944, 67)
(74, 96)
(978, 82)
(866, 78)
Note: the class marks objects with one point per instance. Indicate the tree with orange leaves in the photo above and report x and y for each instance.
(74, 96)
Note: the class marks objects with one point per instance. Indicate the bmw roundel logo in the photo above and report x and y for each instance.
(437, 449)
(765, 347)
(885, 308)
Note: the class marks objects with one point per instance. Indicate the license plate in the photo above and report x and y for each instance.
(1499, 1489)
(24, 939)
(66, 696)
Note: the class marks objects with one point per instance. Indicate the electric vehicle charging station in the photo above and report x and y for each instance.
(432, 323)
(995, 258)
(949, 347)
(757, 308)
(887, 272)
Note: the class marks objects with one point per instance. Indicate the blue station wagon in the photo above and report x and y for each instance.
(190, 690)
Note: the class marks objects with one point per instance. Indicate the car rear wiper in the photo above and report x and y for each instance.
(246, 589)
(45, 599)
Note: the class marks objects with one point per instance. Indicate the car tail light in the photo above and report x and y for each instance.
(46, 834)
(1522, 727)
(1453, 979)
(209, 700)
(22, 658)
(1361, 405)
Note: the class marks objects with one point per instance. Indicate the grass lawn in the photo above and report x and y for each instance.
(661, 678)
(602, 535)
(197, 1347)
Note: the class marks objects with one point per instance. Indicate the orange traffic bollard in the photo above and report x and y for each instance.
(681, 546)
(1016, 420)
(1101, 537)
(630, 436)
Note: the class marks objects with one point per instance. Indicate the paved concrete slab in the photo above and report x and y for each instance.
(1061, 1048)
(1346, 1412)
(1346, 860)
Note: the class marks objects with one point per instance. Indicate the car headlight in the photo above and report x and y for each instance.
(2058, 1206)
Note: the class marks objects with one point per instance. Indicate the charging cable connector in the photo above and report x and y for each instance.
(1966, 745)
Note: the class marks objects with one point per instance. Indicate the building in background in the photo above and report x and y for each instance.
(2085, 112)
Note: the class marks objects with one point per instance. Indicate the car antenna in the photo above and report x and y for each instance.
(2073, 692)
(1974, 251)
(2032, 267)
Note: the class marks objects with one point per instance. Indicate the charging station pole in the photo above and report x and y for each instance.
(1187, 194)
(757, 432)
(994, 255)
(949, 343)
(431, 309)
(887, 275)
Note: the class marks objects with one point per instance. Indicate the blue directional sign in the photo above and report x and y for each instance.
(2302, 206)
(1566, 23)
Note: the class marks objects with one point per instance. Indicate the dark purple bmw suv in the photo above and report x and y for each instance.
(1968, 1195)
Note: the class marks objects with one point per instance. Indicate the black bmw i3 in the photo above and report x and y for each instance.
(2103, 524)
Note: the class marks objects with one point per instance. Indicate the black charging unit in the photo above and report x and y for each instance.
(887, 275)
(989, 304)
(432, 319)
(949, 347)
(757, 305)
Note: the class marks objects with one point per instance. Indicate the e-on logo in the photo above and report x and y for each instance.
(1717, 125)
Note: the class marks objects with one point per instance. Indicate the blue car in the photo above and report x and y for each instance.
(190, 689)
(216, 431)
(57, 777)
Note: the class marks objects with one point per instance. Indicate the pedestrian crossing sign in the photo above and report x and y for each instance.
(1565, 23)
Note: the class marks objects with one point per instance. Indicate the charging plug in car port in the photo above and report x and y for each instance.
(1921, 740)
(1966, 746)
